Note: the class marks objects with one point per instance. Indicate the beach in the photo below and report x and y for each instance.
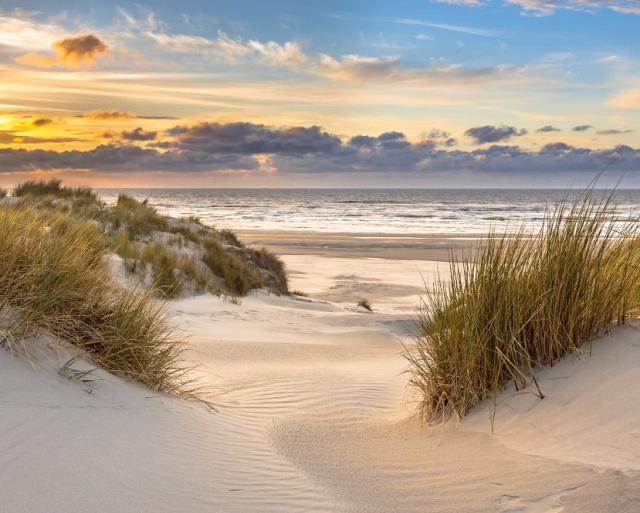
(314, 413)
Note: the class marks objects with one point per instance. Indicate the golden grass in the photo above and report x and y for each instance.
(523, 301)
(238, 276)
(53, 279)
(52, 187)
(138, 218)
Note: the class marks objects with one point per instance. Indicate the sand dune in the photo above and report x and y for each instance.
(314, 416)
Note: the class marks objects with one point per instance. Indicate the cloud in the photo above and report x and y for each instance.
(547, 7)
(582, 128)
(118, 115)
(109, 115)
(120, 159)
(390, 69)
(548, 128)
(138, 134)
(475, 31)
(614, 131)
(9, 137)
(244, 147)
(252, 139)
(441, 137)
(228, 49)
(488, 133)
(42, 122)
(629, 99)
(22, 33)
(71, 52)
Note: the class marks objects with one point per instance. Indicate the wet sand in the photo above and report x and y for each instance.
(436, 247)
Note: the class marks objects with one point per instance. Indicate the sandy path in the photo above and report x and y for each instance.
(315, 417)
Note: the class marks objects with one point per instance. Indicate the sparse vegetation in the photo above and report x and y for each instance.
(364, 303)
(523, 301)
(52, 187)
(137, 218)
(3, 193)
(238, 277)
(180, 255)
(172, 270)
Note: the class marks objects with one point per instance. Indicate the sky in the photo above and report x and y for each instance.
(423, 93)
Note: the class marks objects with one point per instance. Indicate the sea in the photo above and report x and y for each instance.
(406, 211)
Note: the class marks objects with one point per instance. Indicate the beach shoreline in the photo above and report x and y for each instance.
(390, 246)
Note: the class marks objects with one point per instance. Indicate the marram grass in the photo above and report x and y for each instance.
(53, 280)
(522, 301)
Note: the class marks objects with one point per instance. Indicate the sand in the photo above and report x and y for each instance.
(314, 415)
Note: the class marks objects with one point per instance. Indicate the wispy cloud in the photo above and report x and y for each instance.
(26, 34)
(629, 99)
(421, 23)
(229, 49)
(547, 7)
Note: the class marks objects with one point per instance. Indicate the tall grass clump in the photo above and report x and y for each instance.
(238, 276)
(137, 218)
(521, 302)
(52, 187)
(53, 280)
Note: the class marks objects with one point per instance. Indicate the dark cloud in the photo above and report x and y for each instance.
(122, 158)
(614, 131)
(246, 147)
(138, 134)
(42, 122)
(582, 128)
(488, 133)
(253, 139)
(439, 134)
(548, 128)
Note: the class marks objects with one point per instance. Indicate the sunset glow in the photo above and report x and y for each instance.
(476, 92)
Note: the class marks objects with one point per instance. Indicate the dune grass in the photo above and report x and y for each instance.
(238, 276)
(521, 302)
(3, 193)
(268, 261)
(52, 187)
(53, 279)
(137, 218)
